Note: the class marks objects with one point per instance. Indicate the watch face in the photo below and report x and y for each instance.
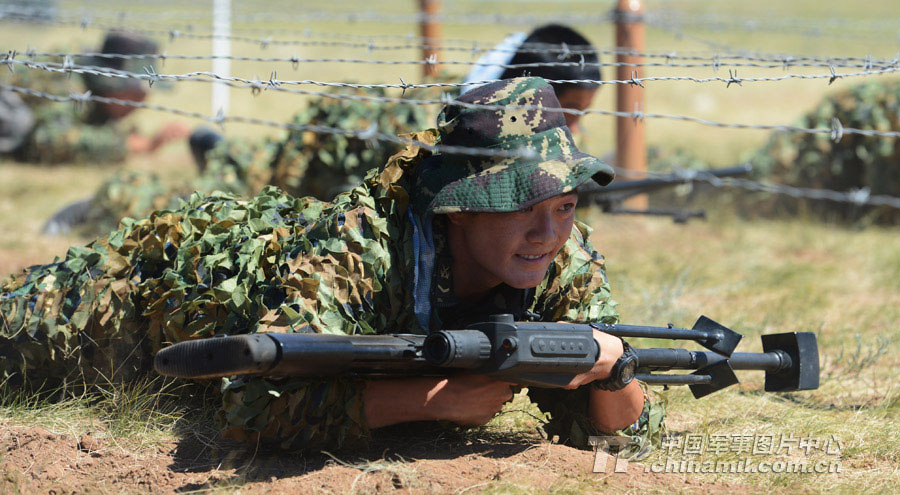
(628, 370)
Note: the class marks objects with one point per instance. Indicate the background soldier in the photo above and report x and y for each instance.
(545, 45)
(92, 133)
(302, 163)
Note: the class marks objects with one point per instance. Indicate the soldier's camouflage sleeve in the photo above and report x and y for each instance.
(61, 135)
(337, 286)
(577, 291)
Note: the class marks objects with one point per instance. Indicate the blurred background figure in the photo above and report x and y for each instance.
(302, 163)
(552, 43)
(90, 133)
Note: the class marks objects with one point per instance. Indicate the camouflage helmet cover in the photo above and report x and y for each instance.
(457, 182)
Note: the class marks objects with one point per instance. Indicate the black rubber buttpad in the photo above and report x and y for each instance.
(218, 357)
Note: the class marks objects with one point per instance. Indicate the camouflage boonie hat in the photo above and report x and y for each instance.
(458, 182)
(124, 44)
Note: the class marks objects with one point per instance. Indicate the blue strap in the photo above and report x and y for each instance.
(423, 267)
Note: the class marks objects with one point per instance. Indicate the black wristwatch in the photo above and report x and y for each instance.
(622, 371)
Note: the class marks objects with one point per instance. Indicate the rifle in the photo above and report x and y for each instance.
(610, 197)
(526, 353)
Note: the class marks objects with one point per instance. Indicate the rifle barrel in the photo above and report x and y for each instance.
(658, 332)
(665, 359)
(674, 379)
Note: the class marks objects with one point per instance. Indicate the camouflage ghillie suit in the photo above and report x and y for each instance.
(306, 163)
(301, 163)
(374, 260)
(855, 162)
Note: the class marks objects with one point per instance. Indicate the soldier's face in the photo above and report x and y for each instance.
(576, 99)
(514, 248)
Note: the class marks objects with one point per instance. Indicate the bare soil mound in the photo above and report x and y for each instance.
(35, 460)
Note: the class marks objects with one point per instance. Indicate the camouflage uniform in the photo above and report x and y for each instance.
(65, 134)
(302, 163)
(374, 260)
(854, 162)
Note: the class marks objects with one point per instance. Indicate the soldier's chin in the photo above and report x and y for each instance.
(525, 282)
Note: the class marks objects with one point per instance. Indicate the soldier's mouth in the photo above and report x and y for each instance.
(531, 258)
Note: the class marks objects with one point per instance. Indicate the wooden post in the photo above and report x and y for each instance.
(431, 35)
(631, 150)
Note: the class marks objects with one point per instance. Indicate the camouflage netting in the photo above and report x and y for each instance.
(301, 163)
(855, 162)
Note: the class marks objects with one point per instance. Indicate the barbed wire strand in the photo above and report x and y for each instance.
(368, 134)
(68, 67)
(837, 131)
(715, 64)
(861, 197)
(656, 18)
(783, 60)
(349, 17)
(858, 197)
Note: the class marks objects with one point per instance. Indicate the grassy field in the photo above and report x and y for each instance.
(756, 276)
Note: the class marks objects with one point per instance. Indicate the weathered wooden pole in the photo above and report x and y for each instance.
(631, 149)
(431, 35)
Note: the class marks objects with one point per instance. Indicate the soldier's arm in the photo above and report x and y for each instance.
(610, 410)
(465, 399)
(138, 143)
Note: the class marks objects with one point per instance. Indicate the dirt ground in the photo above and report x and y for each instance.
(36, 460)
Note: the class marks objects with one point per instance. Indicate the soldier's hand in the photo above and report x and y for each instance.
(171, 131)
(470, 400)
(610, 351)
